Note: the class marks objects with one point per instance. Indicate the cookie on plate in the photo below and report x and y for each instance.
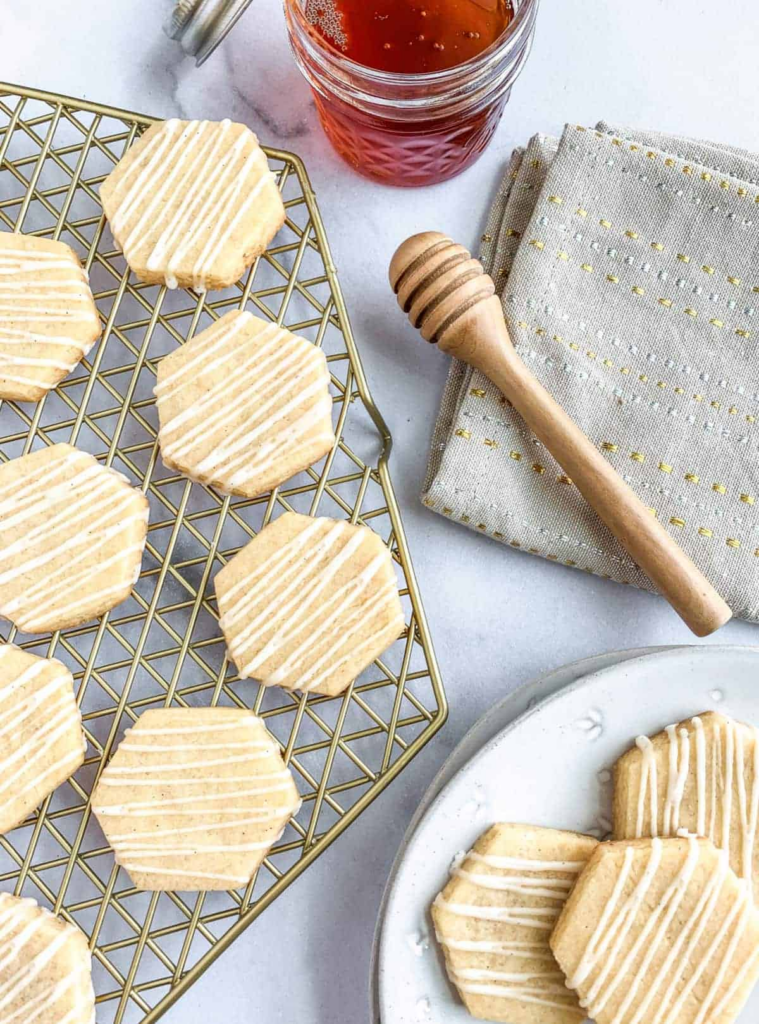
(72, 534)
(244, 405)
(309, 603)
(701, 775)
(41, 738)
(48, 319)
(659, 931)
(193, 203)
(494, 917)
(194, 798)
(45, 967)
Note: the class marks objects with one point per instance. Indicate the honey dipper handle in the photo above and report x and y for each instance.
(483, 342)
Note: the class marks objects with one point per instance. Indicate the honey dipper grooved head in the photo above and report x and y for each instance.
(436, 282)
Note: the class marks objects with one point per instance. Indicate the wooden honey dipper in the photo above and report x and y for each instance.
(449, 297)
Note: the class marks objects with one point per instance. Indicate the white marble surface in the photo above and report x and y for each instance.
(498, 617)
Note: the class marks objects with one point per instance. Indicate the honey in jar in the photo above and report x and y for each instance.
(410, 91)
(410, 37)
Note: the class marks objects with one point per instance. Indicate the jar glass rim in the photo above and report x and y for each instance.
(400, 79)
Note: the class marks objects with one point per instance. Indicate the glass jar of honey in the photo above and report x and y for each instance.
(410, 92)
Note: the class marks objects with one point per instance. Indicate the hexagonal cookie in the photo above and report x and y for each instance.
(48, 319)
(659, 931)
(309, 603)
(192, 203)
(72, 532)
(244, 405)
(41, 738)
(45, 967)
(194, 798)
(701, 775)
(494, 917)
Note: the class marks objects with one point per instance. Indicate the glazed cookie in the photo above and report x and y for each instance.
(659, 931)
(45, 967)
(48, 319)
(72, 532)
(495, 915)
(244, 406)
(192, 203)
(194, 798)
(309, 603)
(41, 739)
(702, 776)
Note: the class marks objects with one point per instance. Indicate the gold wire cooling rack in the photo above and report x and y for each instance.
(163, 645)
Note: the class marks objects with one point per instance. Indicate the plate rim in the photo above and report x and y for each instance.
(551, 682)
(656, 656)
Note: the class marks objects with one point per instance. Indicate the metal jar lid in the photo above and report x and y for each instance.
(200, 25)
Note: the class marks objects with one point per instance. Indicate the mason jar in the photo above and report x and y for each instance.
(411, 129)
(397, 128)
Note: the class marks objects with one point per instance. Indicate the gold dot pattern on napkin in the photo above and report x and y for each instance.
(633, 300)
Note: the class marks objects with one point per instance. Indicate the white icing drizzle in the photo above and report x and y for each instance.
(191, 730)
(520, 993)
(180, 223)
(291, 600)
(542, 918)
(495, 966)
(29, 991)
(227, 827)
(239, 432)
(522, 864)
(712, 767)
(255, 814)
(185, 780)
(632, 904)
(55, 512)
(173, 766)
(524, 950)
(534, 987)
(155, 748)
(49, 293)
(552, 889)
(146, 869)
(147, 807)
(36, 718)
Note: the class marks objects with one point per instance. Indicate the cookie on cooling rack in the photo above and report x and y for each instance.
(41, 739)
(659, 930)
(193, 203)
(699, 775)
(244, 406)
(494, 917)
(48, 319)
(194, 798)
(45, 967)
(309, 603)
(72, 534)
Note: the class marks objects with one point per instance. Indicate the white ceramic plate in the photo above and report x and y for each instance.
(492, 722)
(548, 767)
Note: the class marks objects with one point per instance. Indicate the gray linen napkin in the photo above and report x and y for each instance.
(628, 267)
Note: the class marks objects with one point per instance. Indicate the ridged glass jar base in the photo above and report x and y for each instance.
(407, 155)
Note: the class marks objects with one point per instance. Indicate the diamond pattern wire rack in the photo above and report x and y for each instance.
(163, 645)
